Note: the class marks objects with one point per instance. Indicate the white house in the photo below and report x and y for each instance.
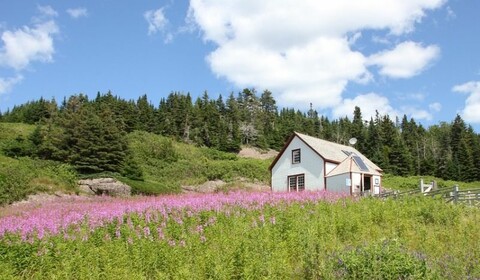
(309, 163)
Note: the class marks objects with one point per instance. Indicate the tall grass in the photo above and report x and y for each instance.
(248, 236)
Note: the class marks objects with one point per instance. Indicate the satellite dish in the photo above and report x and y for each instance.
(352, 141)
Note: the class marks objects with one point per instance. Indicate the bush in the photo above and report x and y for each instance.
(386, 260)
(166, 164)
(19, 147)
(23, 176)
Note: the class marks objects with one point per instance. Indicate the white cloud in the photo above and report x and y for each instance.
(369, 104)
(416, 113)
(47, 11)
(6, 84)
(353, 39)
(300, 50)
(471, 112)
(301, 73)
(450, 13)
(156, 20)
(77, 12)
(436, 107)
(22, 46)
(372, 102)
(380, 40)
(406, 60)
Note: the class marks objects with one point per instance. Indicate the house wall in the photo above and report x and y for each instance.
(376, 187)
(312, 165)
(338, 183)
(329, 166)
(356, 182)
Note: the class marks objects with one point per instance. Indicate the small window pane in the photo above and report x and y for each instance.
(296, 156)
(292, 183)
(301, 182)
(296, 183)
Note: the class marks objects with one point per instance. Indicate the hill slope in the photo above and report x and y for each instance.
(167, 165)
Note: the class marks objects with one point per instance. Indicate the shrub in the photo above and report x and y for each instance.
(385, 260)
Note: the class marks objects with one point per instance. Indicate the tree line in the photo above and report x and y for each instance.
(90, 134)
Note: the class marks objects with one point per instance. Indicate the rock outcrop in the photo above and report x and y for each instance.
(104, 186)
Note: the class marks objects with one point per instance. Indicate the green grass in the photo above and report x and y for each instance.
(392, 182)
(167, 164)
(413, 238)
(23, 176)
(20, 177)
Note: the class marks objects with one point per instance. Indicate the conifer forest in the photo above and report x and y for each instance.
(91, 134)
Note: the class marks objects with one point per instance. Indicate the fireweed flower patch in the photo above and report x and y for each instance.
(64, 217)
(238, 235)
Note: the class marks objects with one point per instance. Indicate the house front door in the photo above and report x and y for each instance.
(367, 183)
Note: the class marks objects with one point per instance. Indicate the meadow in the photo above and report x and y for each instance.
(241, 235)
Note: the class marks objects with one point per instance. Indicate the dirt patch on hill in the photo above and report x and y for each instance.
(219, 186)
(249, 152)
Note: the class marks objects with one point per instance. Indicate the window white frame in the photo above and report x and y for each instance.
(296, 156)
(296, 183)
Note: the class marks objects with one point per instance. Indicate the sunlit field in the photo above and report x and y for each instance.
(237, 235)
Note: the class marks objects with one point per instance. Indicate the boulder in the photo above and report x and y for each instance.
(104, 186)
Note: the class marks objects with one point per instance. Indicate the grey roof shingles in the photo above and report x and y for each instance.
(333, 152)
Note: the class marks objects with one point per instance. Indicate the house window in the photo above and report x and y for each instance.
(296, 183)
(296, 156)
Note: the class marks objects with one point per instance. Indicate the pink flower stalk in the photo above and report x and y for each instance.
(57, 217)
(146, 231)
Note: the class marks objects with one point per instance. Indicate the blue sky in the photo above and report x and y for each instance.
(414, 57)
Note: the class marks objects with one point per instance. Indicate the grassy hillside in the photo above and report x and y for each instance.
(22, 176)
(167, 164)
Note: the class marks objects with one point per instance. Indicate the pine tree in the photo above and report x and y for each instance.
(232, 119)
(358, 130)
(146, 114)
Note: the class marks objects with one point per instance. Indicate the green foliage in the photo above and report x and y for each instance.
(385, 260)
(366, 239)
(131, 169)
(393, 182)
(19, 147)
(167, 165)
(148, 147)
(23, 176)
(399, 146)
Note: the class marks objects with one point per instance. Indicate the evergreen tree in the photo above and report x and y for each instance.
(267, 120)
(232, 119)
(145, 114)
(92, 141)
(358, 130)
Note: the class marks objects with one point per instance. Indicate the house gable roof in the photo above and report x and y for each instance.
(349, 165)
(329, 151)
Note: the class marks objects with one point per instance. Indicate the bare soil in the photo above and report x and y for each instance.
(250, 152)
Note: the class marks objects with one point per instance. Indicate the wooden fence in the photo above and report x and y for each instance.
(451, 195)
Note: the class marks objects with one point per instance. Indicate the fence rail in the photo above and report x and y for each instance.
(449, 194)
